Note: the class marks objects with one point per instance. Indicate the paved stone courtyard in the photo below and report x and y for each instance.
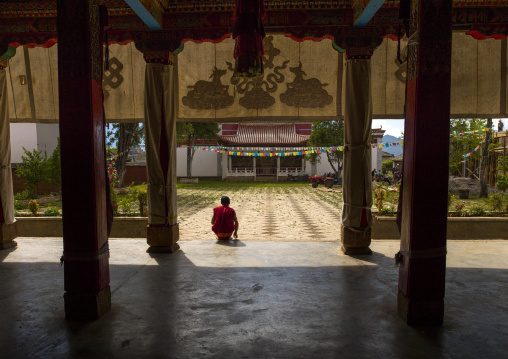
(279, 212)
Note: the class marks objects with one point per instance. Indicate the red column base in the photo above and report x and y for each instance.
(87, 306)
(420, 312)
(163, 239)
(355, 242)
(8, 232)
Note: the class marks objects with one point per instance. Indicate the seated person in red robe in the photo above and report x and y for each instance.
(224, 220)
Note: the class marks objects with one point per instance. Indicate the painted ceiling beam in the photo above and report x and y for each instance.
(150, 11)
(364, 11)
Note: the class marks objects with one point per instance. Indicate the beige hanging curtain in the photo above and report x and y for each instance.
(297, 86)
(356, 186)
(160, 113)
(7, 199)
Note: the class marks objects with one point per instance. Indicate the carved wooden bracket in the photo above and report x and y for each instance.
(158, 46)
(359, 43)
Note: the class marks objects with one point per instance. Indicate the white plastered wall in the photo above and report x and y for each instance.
(47, 137)
(204, 163)
(40, 136)
(377, 158)
(22, 135)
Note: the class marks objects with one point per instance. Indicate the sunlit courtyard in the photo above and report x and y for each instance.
(266, 212)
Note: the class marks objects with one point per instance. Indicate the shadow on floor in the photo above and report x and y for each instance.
(231, 243)
(209, 306)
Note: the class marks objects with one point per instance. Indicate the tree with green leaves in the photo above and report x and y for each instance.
(502, 179)
(484, 164)
(54, 168)
(33, 168)
(461, 145)
(190, 132)
(125, 136)
(387, 165)
(327, 134)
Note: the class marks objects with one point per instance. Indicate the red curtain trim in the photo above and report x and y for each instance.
(315, 39)
(329, 37)
(478, 36)
(46, 45)
(120, 43)
(52, 42)
(215, 41)
(392, 37)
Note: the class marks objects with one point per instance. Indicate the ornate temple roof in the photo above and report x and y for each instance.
(280, 134)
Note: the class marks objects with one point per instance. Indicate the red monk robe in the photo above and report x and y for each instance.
(224, 222)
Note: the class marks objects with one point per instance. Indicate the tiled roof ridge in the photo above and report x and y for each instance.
(266, 133)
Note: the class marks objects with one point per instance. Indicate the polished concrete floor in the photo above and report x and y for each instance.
(252, 300)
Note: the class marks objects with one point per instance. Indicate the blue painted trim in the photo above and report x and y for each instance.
(143, 14)
(369, 12)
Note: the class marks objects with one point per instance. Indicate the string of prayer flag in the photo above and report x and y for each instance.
(116, 155)
(475, 149)
(460, 134)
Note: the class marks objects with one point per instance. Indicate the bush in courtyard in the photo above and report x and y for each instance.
(496, 201)
(33, 206)
(460, 208)
(26, 194)
(477, 211)
(33, 169)
(18, 205)
(502, 182)
(113, 182)
(502, 179)
(385, 211)
(394, 204)
(54, 174)
(142, 197)
(380, 194)
(126, 205)
(51, 212)
(387, 165)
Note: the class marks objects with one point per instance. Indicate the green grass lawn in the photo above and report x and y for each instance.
(205, 193)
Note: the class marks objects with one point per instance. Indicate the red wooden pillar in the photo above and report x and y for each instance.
(87, 293)
(426, 142)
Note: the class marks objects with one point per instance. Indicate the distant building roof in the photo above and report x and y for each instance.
(398, 158)
(276, 134)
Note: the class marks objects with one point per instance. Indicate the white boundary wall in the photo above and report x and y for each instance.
(204, 164)
(40, 136)
(22, 135)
